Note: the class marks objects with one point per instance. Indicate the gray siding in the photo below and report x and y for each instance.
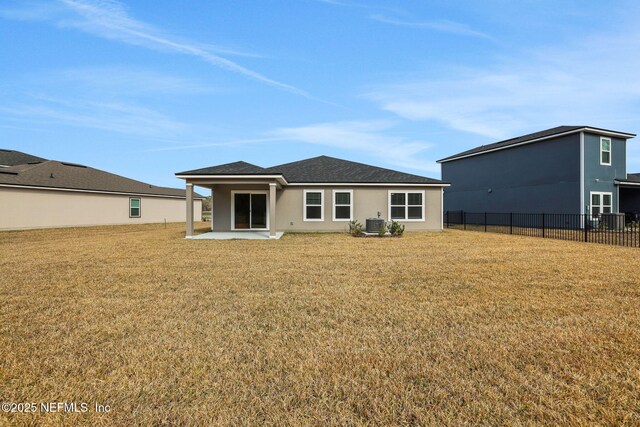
(538, 177)
(599, 177)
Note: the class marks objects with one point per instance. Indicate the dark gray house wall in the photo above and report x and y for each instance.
(541, 177)
(599, 177)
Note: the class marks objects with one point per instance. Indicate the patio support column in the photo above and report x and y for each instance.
(272, 210)
(211, 207)
(189, 188)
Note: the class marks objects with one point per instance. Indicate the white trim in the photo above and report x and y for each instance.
(364, 184)
(139, 199)
(557, 135)
(582, 204)
(406, 205)
(602, 139)
(257, 177)
(304, 206)
(209, 184)
(233, 209)
(624, 183)
(601, 205)
(334, 205)
(35, 187)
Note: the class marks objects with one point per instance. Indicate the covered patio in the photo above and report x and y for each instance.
(629, 196)
(243, 205)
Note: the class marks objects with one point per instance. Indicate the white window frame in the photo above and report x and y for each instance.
(335, 205)
(304, 206)
(601, 205)
(602, 139)
(406, 206)
(139, 199)
(233, 209)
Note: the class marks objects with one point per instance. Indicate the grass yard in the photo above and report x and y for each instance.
(318, 329)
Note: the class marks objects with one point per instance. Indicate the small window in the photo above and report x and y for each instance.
(342, 205)
(134, 208)
(605, 151)
(313, 205)
(407, 206)
(601, 203)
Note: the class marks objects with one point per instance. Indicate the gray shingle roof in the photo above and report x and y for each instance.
(329, 169)
(631, 177)
(322, 169)
(235, 168)
(521, 139)
(12, 158)
(53, 174)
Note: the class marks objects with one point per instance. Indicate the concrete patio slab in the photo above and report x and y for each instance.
(229, 235)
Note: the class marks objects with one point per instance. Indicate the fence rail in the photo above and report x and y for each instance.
(612, 229)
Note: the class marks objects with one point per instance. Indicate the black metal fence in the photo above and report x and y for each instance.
(612, 229)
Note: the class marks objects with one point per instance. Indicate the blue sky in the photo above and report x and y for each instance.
(149, 88)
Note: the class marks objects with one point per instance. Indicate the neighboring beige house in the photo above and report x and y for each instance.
(317, 194)
(35, 193)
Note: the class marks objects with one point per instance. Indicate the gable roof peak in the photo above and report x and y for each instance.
(534, 137)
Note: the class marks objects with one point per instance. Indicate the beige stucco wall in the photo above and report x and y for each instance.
(30, 208)
(367, 202)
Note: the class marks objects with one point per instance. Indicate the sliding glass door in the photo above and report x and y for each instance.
(250, 211)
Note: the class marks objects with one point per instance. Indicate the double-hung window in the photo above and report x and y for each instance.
(605, 151)
(134, 207)
(600, 204)
(342, 205)
(313, 205)
(406, 205)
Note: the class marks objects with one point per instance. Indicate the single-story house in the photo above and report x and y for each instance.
(562, 170)
(35, 193)
(317, 194)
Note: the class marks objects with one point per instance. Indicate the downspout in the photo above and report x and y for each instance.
(582, 204)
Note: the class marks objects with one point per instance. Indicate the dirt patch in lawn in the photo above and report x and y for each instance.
(453, 327)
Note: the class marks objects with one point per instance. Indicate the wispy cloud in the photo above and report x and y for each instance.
(444, 26)
(119, 117)
(593, 81)
(127, 81)
(364, 137)
(109, 19)
(381, 14)
(205, 144)
(372, 138)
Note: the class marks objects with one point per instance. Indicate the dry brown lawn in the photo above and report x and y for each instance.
(455, 328)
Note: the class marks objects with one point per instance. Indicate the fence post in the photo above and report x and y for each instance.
(464, 220)
(510, 222)
(485, 222)
(586, 232)
(543, 233)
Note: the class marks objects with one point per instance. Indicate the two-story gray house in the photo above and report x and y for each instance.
(566, 169)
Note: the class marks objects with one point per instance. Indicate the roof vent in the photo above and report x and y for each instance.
(51, 176)
(75, 165)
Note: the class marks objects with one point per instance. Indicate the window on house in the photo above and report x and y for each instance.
(134, 208)
(313, 205)
(600, 204)
(342, 205)
(605, 151)
(406, 206)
